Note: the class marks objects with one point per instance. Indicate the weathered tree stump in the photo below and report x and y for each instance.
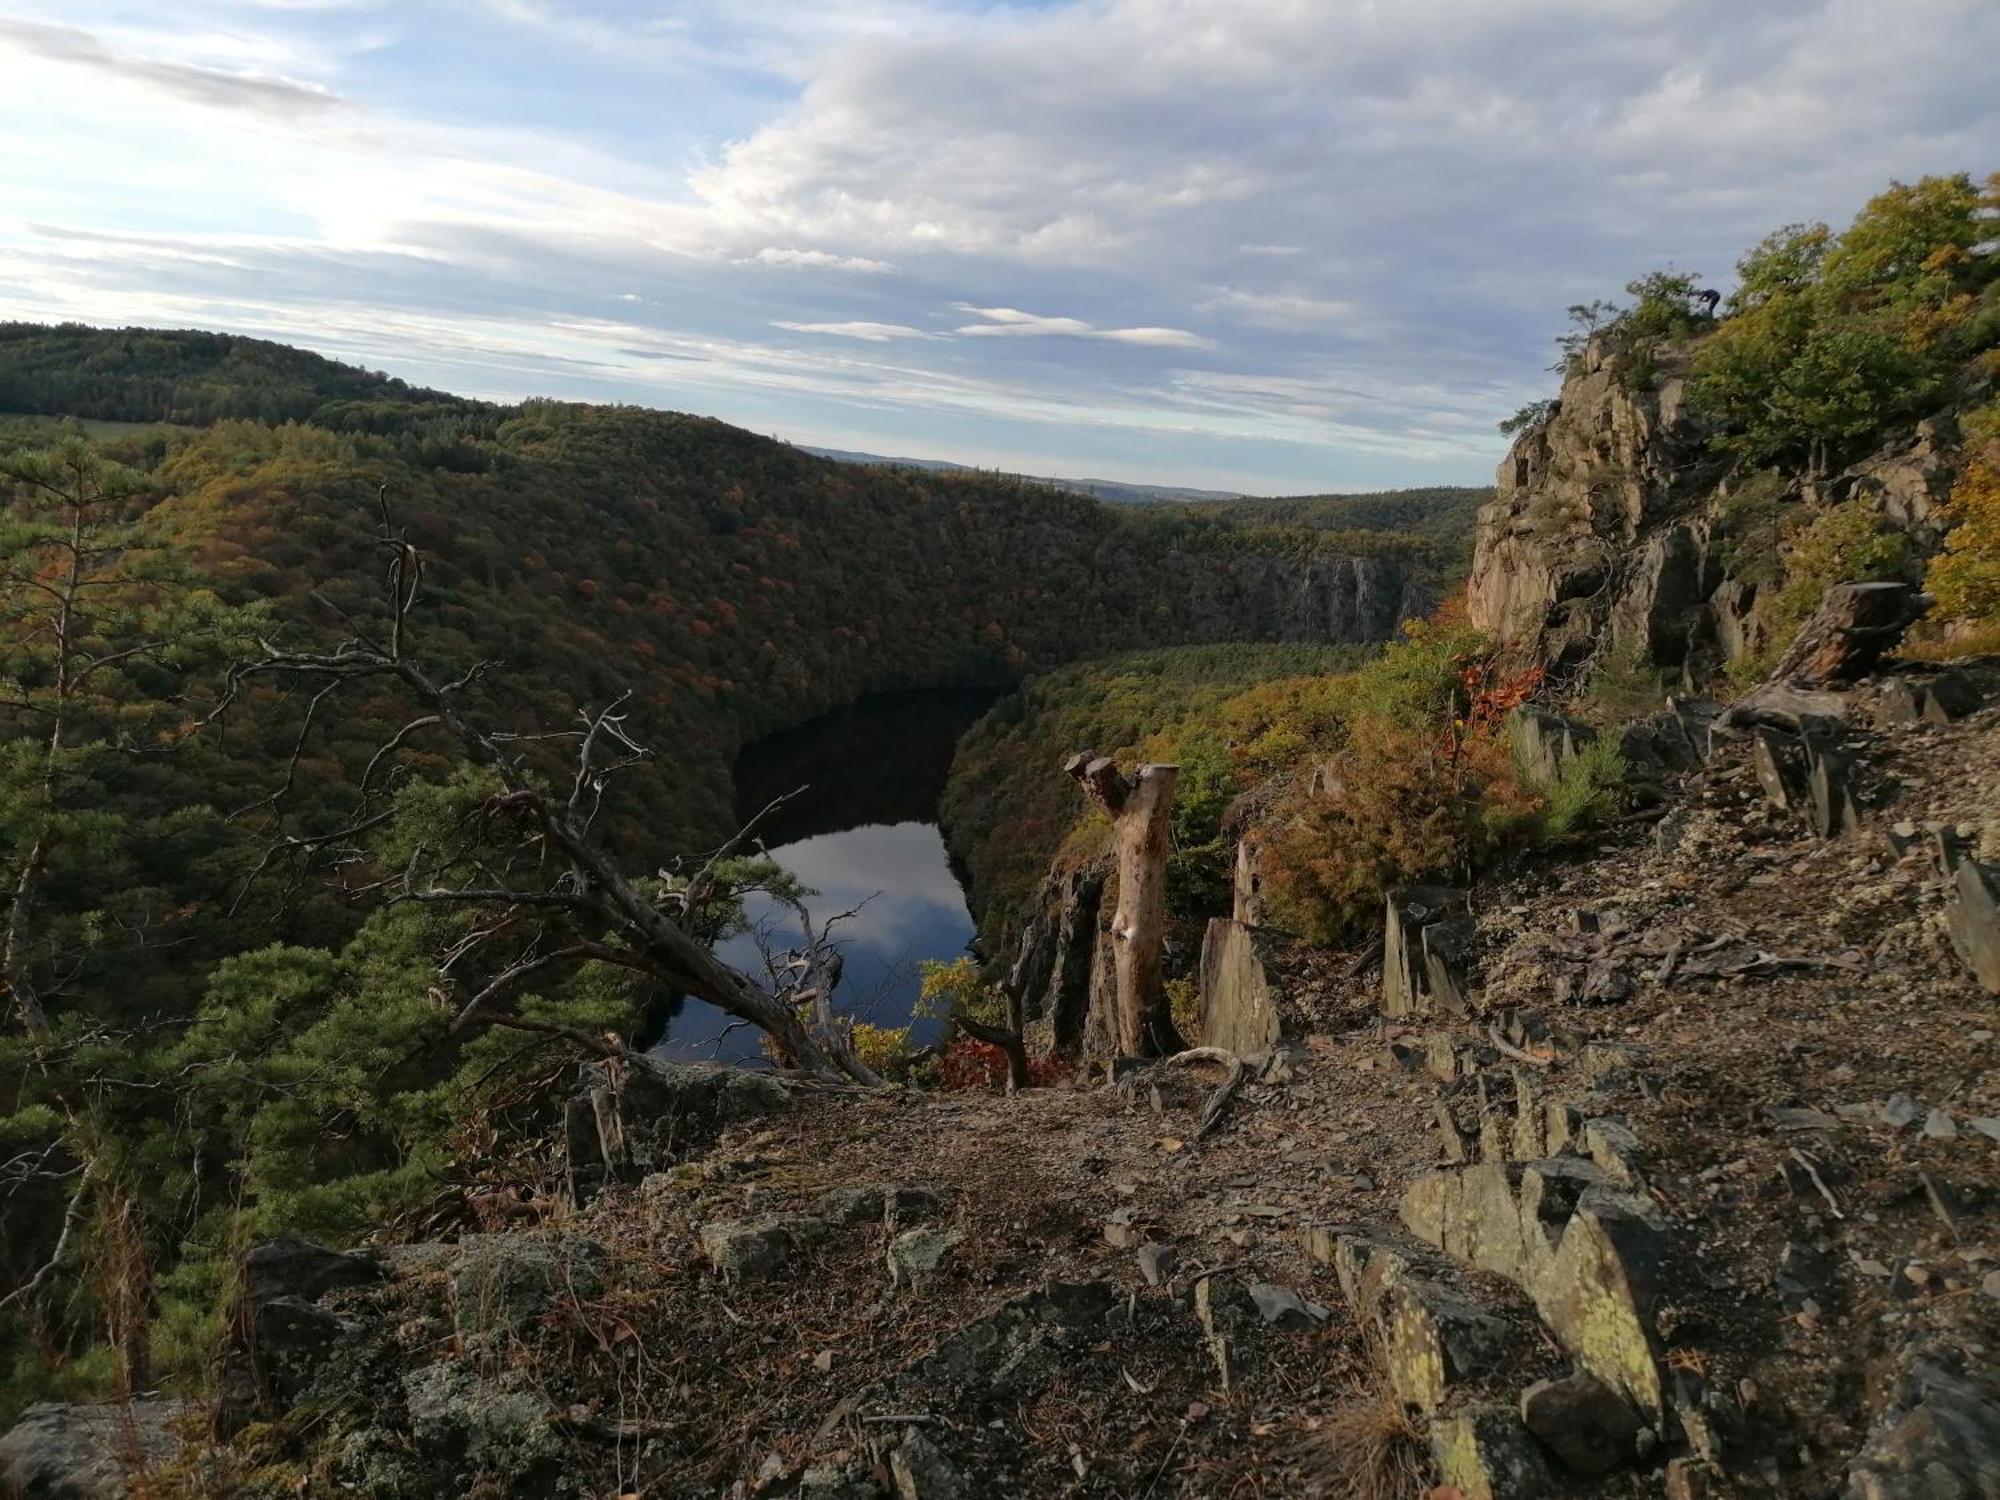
(1855, 624)
(1139, 808)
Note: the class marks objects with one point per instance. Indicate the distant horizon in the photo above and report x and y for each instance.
(859, 453)
(1268, 248)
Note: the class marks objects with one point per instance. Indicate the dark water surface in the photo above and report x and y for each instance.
(864, 835)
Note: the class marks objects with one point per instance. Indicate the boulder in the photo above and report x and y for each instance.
(1008, 1356)
(1583, 1421)
(503, 1429)
(1938, 700)
(506, 1281)
(61, 1452)
(1598, 1293)
(1806, 773)
(285, 1336)
(1587, 1254)
(1854, 626)
(1938, 1435)
(1239, 1003)
(1487, 1454)
(302, 1269)
(1434, 1339)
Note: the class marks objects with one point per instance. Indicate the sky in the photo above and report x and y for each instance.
(1278, 246)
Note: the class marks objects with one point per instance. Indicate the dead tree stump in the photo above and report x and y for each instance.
(1139, 808)
(1855, 624)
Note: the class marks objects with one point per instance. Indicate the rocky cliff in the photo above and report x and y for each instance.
(1617, 527)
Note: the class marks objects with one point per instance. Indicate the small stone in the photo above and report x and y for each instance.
(1939, 1127)
(1786, 1118)
(1901, 1111)
(1284, 1308)
(916, 1254)
(1157, 1262)
(823, 1361)
(741, 1251)
(921, 1472)
(1990, 1285)
(1986, 1125)
(1584, 1422)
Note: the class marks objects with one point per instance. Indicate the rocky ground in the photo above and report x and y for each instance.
(1698, 1195)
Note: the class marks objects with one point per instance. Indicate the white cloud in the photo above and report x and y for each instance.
(873, 333)
(819, 260)
(1011, 322)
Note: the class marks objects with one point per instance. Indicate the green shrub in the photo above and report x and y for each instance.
(1586, 793)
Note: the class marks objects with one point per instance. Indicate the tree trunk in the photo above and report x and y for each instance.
(1139, 809)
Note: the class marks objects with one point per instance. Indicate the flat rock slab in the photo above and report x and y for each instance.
(59, 1452)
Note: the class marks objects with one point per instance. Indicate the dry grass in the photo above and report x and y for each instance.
(1369, 1449)
(1981, 640)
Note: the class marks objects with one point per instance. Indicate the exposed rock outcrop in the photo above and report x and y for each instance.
(1612, 529)
(1427, 932)
(1241, 1009)
(1564, 549)
(59, 1452)
(651, 1113)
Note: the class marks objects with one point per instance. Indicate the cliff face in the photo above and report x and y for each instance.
(1323, 599)
(1609, 531)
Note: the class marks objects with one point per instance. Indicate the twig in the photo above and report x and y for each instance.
(1833, 1204)
(71, 1216)
(1500, 1043)
(1219, 1100)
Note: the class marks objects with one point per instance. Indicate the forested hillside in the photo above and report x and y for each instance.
(1441, 517)
(180, 375)
(196, 864)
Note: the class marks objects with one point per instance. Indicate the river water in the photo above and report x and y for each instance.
(864, 836)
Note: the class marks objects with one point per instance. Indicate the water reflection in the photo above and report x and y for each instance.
(863, 835)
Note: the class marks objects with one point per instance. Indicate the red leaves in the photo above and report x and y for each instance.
(967, 1064)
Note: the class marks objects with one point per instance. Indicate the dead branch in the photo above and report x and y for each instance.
(1007, 1041)
(1201, 1055)
(592, 895)
(1218, 1102)
(1502, 1046)
(72, 1216)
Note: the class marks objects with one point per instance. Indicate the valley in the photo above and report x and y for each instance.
(565, 949)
